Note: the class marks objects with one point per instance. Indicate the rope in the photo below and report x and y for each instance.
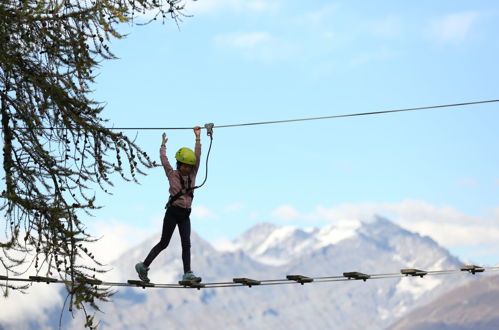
(207, 157)
(345, 278)
(300, 119)
(359, 114)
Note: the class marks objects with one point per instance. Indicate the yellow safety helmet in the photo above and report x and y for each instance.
(186, 156)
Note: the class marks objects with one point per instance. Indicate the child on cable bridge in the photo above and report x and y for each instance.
(178, 209)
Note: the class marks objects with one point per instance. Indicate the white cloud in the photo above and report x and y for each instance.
(116, 237)
(467, 182)
(364, 212)
(244, 40)
(202, 212)
(472, 238)
(261, 5)
(455, 27)
(210, 7)
(259, 45)
(234, 207)
(225, 245)
(420, 211)
(419, 216)
(454, 234)
(318, 16)
(325, 22)
(237, 6)
(40, 297)
(445, 224)
(285, 212)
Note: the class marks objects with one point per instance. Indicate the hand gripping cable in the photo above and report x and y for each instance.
(209, 132)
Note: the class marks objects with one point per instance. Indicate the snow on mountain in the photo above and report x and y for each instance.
(375, 247)
(383, 247)
(337, 232)
(274, 245)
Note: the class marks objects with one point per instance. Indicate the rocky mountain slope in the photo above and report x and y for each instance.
(271, 252)
(472, 306)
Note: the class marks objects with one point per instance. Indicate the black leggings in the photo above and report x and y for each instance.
(174, 215)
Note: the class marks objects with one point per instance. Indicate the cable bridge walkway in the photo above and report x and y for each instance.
(248, 282)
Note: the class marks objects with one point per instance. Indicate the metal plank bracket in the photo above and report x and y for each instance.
(246, 281)
(191, 284)
(299, 278)
(357, 276)
(472, 269)
(43, 279)
(141, 284)
(93, 281)
(413, 272)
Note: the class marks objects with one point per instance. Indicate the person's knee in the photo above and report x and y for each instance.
(163, 245)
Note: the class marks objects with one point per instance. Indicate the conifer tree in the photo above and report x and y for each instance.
(57, 148)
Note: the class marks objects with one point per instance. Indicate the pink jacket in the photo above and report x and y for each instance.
(173, 176)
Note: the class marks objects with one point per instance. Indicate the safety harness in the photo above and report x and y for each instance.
(183, 191)
(189, 190)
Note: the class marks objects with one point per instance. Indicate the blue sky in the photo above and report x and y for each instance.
(237, 61)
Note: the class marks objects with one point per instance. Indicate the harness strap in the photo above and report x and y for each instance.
(183, 191)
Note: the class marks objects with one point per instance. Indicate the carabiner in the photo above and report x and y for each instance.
(209, 129)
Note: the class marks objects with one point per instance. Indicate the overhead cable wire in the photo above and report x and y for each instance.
(359, 114)
(266, 282)
(453, 105)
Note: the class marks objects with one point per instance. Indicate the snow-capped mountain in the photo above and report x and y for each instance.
(274, 245)
(379, 246)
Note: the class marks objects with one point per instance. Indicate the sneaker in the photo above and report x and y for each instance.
(189, 276)
(142, 271)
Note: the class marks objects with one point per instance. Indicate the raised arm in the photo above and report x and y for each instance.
(162, 155)
(197, 147)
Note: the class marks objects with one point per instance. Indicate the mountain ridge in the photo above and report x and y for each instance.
(374, 247)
